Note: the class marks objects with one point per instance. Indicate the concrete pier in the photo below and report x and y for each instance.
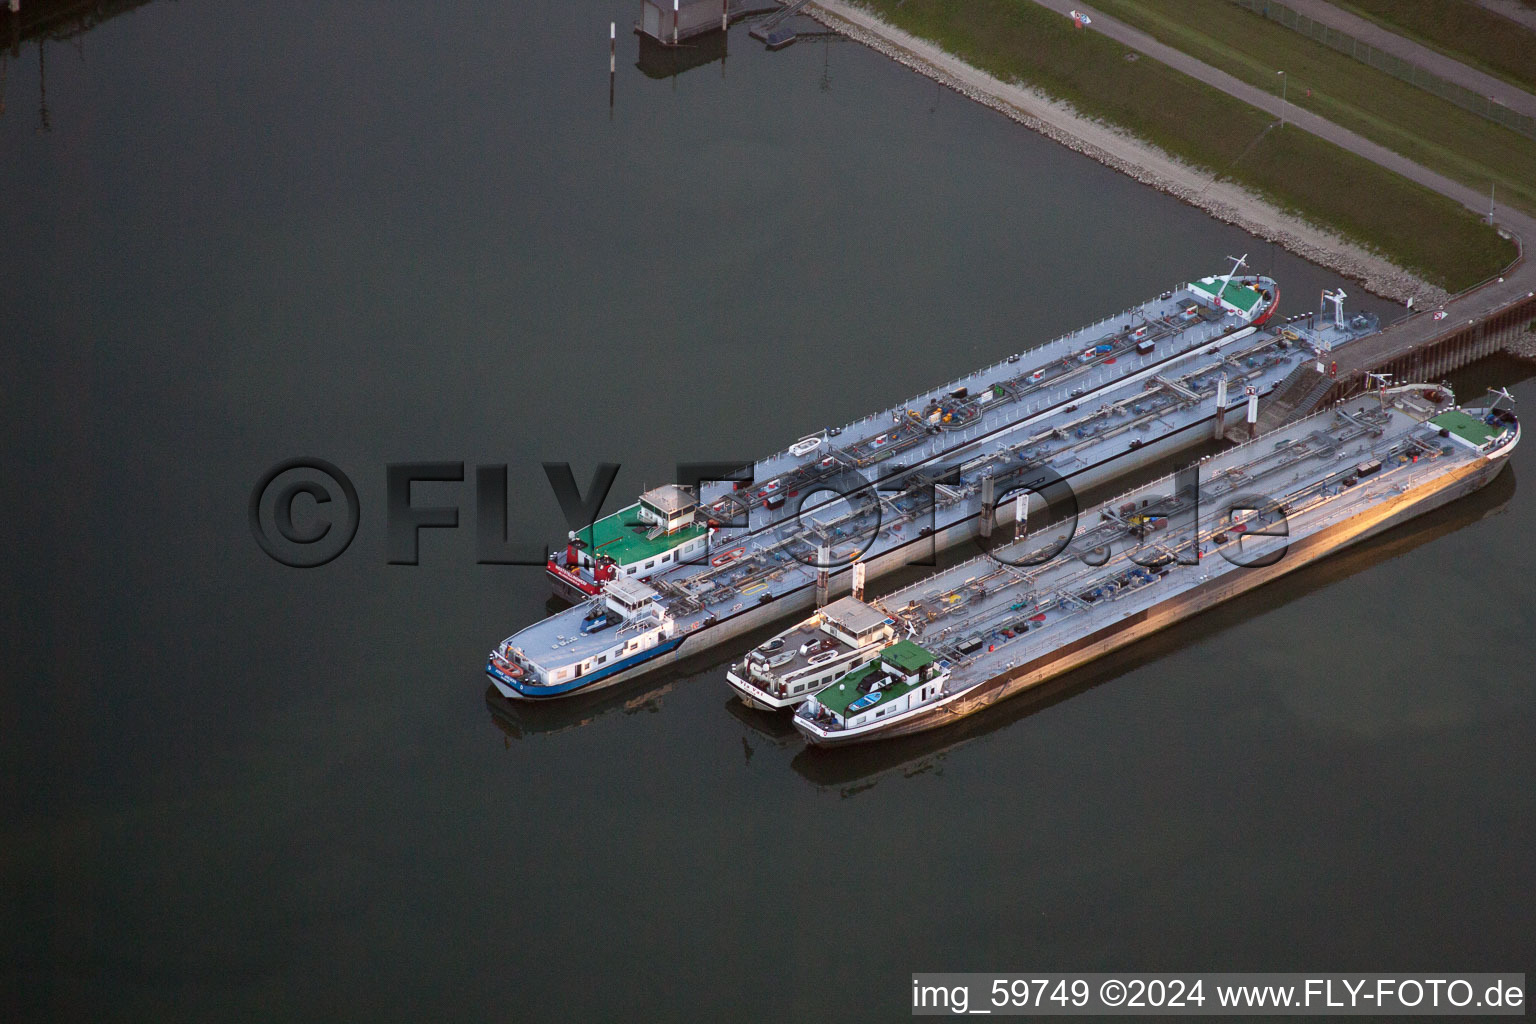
(1423, 348)
(1473, 326)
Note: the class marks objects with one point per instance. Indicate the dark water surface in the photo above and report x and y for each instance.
(382, 233)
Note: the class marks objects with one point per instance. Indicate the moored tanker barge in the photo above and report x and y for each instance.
(670, 526)
(987, 629)
(720, 579)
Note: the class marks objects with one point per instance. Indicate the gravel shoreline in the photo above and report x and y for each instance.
(1134, 157)
(1523, 347)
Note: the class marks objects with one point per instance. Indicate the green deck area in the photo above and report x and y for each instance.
(845, 691)
(1239, 295)
(1468, 428)
(907, 657)
(617, 537)
(903, 654)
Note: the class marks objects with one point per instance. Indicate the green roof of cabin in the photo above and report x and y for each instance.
(907, 656)
(903, 654)
(845, 691)
(1467, 427)
(617, 537)
(1239, 295)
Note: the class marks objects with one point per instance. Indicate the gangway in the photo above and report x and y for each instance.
(762, 29)
(1177, 388)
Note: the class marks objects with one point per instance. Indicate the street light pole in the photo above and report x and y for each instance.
(1283, 81)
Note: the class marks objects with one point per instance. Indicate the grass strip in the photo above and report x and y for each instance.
(1428, 130)
(1017, 40)
(1462, 29)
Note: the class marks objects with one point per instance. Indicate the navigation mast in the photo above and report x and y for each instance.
(1238, 262)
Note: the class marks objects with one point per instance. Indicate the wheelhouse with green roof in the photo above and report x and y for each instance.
(1481, 432)
(656, 533)
(1229, 296)
(905, 677)
(1253, 298)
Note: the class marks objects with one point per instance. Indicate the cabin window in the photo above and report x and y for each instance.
(667, 557)
(650, 564)
(630, 571)
(602, 658)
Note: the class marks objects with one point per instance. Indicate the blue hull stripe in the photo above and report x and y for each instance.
(588, 679)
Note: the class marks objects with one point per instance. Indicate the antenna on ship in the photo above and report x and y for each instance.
(1381, 380)
(1337, 298)
(1237, 263)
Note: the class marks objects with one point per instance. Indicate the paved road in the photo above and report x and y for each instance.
(1448, 68)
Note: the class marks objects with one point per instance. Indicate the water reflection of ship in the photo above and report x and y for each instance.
(774, 726)
(63, 19)
(852, 771)
(519, 719)
(58, 20)
(659, 61)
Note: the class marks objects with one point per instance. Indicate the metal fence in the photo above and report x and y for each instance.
(1345, 43)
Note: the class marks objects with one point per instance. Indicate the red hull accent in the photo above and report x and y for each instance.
(571, 578)
(1270, 311)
